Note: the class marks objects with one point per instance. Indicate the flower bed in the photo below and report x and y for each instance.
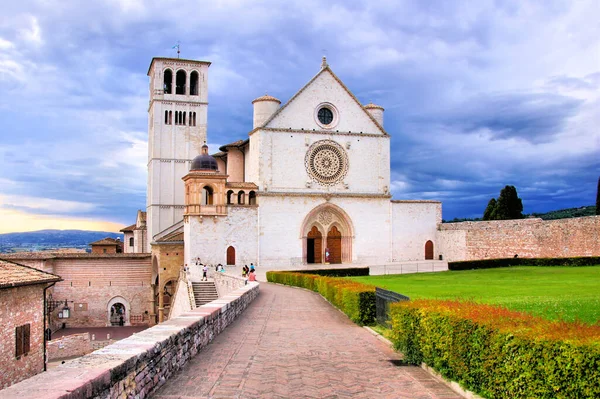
(499, 353)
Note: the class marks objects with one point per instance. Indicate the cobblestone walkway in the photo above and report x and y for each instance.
(290, 343)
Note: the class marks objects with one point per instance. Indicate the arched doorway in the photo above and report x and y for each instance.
(339, 241)
(118, 312)
(231, 256)
(314, 245)
(429, 250)
(334, 244)
(167, 294)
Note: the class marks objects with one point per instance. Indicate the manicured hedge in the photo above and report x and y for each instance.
(349, 272)
(499, 353)
(355, 299)
(506, 262)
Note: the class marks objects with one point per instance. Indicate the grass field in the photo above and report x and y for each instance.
(566, 293)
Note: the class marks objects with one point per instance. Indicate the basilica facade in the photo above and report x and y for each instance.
(308, 185)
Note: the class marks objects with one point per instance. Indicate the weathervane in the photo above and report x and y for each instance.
(177, 47)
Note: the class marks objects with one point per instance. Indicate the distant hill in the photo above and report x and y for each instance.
(49, 239)
(559, 214)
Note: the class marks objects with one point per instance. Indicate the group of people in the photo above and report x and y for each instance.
(249, 272)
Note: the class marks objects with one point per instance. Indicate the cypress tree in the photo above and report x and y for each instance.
(509, 205)
(490, 210)
(598, 198)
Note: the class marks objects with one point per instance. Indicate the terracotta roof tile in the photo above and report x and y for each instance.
(14, 275)
(266, 97)
(128, 228)
(107, 241)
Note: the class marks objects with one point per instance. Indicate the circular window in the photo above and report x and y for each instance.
(326, 162)
(326, 116)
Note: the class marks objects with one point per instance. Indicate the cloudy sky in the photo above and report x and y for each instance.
(478, 94)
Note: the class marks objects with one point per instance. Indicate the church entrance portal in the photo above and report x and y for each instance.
(314, 246)
(334, 244)
(327, 228)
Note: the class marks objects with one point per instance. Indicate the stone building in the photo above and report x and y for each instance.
(310, 185)
(107, 245)
(98, 289)
(22, 300)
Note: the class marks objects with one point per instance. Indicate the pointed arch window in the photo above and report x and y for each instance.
(168, 82)
(180, 81)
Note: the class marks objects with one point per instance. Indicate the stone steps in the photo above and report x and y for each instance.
(204, 292)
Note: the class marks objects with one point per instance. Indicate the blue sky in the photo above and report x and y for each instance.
(478, 94)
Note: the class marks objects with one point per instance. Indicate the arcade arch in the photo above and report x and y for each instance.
(119, 310)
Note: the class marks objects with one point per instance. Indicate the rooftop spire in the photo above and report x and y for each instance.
(324, 62)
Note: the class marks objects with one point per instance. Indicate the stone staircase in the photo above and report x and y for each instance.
(204, 292)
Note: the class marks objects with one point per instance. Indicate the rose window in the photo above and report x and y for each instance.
(326, 162)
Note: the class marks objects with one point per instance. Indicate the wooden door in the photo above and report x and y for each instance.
(314, 241)
(429, 250)
(231, 256)
(334, 243)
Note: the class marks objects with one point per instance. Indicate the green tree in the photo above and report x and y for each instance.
(490, 210)
(507, 206)
(598, 198)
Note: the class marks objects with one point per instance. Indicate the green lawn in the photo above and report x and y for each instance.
(567, 293)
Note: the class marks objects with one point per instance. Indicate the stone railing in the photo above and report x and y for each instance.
(226, 283)
(181, 299)
(138, 365)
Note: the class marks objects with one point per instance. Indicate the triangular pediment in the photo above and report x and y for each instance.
(300, 112)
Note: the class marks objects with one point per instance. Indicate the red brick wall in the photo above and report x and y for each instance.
(106, 249)
(526, 237)
(19, 306)
(69, 346)
(94, 282)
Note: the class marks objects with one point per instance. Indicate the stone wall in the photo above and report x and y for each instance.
(413, 224)
(226, 283)
(527, 238)
(69, 346)
(138, 365)
(20, 306)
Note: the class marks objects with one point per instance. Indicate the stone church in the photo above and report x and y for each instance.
(308, 185)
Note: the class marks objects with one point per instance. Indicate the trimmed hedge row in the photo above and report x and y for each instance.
(506, 262)
(349, 272)
(355, 299)
(499, 353)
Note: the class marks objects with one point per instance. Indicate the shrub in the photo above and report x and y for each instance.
(499, 353)
(507, 262)
(355, 299)
(349, 272)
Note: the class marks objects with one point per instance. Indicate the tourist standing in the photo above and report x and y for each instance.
(205, 273)
(252, 276)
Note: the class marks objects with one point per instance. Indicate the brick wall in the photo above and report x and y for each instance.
(19, 306)
(69, 346)
(525, 237)
(138, 365)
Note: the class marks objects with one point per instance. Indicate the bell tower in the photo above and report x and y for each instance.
(177, 117)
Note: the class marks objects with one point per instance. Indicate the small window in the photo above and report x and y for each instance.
(170, 117)
(131, 241)
(22, 340)
(229, 197)
(103, 250)
(252, 198)
(194, 83)
(184, 118)
(168, 82)
(241, 198)
(166, 117)
(207, 195)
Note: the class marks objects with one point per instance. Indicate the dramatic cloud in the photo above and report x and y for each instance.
(477, 94)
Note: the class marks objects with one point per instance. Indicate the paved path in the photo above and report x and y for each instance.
(291, 343)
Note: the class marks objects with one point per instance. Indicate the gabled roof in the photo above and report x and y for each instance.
(15, 275)
(128, 228)
(325, 68)
(107, 241)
